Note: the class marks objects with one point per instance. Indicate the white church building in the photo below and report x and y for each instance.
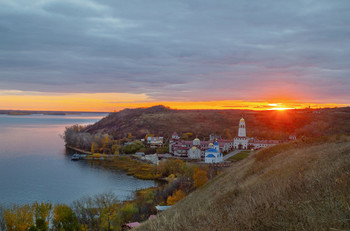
(244, 142)
(213, 154)
(241, 141)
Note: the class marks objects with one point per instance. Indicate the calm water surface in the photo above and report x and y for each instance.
(34, 165)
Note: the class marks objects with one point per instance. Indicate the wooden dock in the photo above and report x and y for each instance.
(78, 150)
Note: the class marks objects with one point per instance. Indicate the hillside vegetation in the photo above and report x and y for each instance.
(303, 185)
(162, 121)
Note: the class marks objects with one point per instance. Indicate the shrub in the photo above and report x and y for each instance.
(177, 195)
(132, 148)
(200, 177)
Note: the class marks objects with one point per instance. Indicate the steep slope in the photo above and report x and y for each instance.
(300, 186)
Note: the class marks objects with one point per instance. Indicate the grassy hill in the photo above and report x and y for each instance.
(162, 121)
(303, 185)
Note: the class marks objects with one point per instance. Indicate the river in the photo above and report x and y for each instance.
(34, 165)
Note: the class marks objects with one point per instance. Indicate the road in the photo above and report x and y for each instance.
(231, 154)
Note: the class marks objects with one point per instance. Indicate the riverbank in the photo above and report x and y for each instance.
(134, 167)
(131, 167)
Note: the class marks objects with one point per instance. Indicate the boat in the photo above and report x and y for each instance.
(76, 157)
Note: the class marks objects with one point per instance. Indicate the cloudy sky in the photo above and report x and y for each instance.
(114, 53)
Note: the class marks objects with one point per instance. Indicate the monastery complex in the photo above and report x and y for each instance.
(211, 150)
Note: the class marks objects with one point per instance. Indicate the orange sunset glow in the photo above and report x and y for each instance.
(108, 102)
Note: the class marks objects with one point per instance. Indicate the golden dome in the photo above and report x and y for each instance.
(242, 120)
(211, 144)
(194, 148)
(196, 139)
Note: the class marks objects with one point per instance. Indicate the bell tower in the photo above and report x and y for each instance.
(241, 128)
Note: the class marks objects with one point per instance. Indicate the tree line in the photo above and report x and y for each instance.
(75, 136)
(96, 143)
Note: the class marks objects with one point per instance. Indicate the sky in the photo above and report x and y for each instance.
(106, 55)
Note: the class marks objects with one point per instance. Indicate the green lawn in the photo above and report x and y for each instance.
(239, 156)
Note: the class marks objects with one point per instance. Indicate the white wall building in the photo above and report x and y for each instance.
(194, 153)
(257, 144)
(155, 141)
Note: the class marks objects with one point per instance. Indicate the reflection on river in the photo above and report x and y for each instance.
(34, 165)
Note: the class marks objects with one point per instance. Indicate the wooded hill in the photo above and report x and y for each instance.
(162, 121)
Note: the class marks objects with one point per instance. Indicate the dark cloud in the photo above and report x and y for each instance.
(177, 50)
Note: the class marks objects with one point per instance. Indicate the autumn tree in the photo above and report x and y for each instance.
(18, 218)
(187, 136)
(177, 195)
(115, 148)
(200, 177)
(93, 148)
(107, 142)
(106, 204)
(130, 136)
(170, 166)
(64, 218)
(96, 213)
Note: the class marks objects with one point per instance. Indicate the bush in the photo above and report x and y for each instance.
(132, 148)
(200, 177)
(177, 196)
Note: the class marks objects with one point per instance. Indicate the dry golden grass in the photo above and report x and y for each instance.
(132, 167)
(301, 186)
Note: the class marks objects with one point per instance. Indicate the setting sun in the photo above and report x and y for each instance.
(280, 108)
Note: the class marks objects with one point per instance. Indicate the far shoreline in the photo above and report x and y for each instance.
(33, 112)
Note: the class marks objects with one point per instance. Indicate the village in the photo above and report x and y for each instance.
(212, 151)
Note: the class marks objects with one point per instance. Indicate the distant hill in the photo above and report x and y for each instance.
(303, 185)
(162, 121)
